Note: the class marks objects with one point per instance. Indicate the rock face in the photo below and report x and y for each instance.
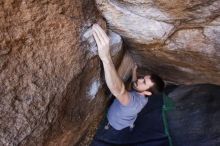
(50, 75)
(195, 120)
(179, 40)
(51, 82)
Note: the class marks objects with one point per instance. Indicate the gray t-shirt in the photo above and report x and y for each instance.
(122, 116)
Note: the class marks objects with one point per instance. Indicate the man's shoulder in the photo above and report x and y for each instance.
(134, 98)
(137, 98)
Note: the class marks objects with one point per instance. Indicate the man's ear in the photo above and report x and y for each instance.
(147, 93)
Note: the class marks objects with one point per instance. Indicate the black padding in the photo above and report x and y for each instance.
(148, 130)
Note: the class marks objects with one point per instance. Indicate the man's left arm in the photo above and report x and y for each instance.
(134, 73)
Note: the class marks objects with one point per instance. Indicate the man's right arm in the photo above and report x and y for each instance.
(113, 81)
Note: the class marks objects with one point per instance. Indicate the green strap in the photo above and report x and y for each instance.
(168, 105)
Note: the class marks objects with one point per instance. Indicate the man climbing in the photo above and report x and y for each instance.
(127, 105)
(124, 109)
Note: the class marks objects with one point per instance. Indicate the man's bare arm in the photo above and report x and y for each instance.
(125, 68)
(113, 81)
(134, 73)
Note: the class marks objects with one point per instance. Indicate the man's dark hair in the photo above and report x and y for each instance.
(158, 86)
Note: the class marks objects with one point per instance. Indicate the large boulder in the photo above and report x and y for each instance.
(50, 74)
(195, 119)
(179, 40)
(51, 79)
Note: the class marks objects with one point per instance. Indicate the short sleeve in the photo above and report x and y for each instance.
(136, 102)
(131, 100)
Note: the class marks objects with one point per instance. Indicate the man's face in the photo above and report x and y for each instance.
(142, 84)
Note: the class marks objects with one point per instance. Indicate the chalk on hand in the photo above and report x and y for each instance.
(115, 42)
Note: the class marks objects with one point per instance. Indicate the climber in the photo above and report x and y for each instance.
(124, 109)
